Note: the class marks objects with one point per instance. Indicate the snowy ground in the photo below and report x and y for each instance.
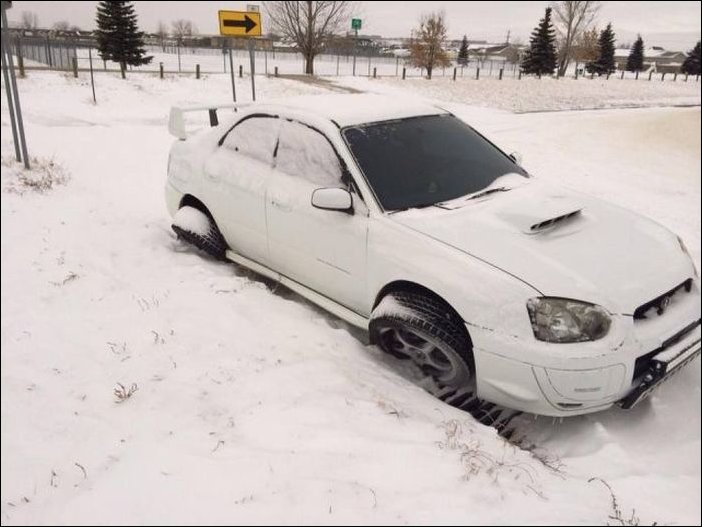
(538, 95)
(253, 406)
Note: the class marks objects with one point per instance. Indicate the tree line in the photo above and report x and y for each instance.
(543, 56)
(553, 46)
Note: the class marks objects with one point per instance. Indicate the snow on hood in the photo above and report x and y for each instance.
(595, 252)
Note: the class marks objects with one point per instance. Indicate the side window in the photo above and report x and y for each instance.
(306, 153)
(254, 137)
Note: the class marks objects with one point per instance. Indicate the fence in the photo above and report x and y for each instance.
(59, 54)
(67, 54)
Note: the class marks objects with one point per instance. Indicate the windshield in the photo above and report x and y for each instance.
(421, 161)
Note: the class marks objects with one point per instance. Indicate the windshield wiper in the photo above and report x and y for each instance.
(459, 202)
(488, 191)
(441, 204)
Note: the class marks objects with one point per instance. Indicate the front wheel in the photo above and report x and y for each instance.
(417, 327)
(198, 229)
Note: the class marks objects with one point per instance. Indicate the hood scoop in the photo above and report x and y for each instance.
(551, 222)
(534, 216)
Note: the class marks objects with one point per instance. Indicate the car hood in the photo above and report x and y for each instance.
(562, 243)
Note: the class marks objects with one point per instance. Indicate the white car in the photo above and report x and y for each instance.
(400, 218)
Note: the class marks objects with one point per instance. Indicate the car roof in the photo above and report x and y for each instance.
(350, 109)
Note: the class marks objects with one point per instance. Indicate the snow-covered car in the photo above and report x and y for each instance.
(400, 218)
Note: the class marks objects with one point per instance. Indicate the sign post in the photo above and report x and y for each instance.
(355, 25)
(231, 72)
(252, 59)
(245, 24)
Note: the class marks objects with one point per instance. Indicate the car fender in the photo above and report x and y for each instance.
(485, 296)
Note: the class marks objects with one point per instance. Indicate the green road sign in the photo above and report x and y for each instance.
(356, 23)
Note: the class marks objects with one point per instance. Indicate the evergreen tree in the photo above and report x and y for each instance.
(691, 66)
(604, 64)
(118, 36)
(540, 58)
(463, 52)
(635, 62)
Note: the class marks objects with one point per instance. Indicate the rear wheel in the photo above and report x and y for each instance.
(417, 327)
(197, 228)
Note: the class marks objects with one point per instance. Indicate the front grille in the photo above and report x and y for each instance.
(642, 363)
(659, 304)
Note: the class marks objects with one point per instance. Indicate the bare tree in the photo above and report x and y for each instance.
(427, 47)
(62, 25)
(29, 20)
(162, 34)
(585, 46)
(182, 28)
(310, 24)
(572, 17)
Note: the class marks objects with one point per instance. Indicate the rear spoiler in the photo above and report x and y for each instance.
(176, 122)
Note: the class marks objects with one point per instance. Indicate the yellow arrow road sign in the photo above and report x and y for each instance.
(240, 23)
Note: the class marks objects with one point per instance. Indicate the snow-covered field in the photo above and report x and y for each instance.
(538, 95)
(252, 406)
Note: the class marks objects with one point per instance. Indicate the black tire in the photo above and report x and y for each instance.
(415, 326)
(205, 235)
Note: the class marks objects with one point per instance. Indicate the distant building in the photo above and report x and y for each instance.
(491, 52)
(655, 58)
(77, 36)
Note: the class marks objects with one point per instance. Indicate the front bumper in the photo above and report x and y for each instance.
(664, 364)
(562, 380)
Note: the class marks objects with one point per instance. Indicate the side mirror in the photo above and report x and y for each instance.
(516, 157)
(333, 199)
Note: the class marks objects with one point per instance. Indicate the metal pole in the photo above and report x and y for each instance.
(252, 58)
(231, 72)
(355, 50)
(10, 104)
(178, 50)
(20, 58)
(92, 80)
(13, 82)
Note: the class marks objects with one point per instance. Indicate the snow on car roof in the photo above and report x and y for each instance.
(357, 108)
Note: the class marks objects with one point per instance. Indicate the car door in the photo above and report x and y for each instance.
(321, 249)
(236, 176)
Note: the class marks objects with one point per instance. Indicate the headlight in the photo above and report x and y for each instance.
(562, 320)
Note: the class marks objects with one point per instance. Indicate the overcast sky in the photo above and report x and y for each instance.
(674, 25)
